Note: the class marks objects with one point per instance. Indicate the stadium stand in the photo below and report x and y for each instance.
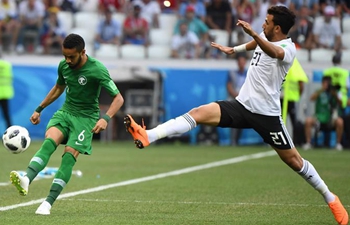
(107, 51)
(130, 51)
(158, 52)
(160, 36)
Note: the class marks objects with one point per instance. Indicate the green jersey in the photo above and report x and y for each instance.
(83, 87)
(325, 104)
(340, 77)
(322, 108)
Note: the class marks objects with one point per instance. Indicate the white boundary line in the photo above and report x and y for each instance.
(149, 178)
(201, 203)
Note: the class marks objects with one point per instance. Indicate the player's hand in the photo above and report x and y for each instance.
(246, 27)
(224, 49)
(100, 126)
(35, 118)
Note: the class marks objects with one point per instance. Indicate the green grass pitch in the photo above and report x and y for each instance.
(262, 191)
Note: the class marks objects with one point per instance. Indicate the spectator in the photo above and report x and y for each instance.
(301, 33)
(6, 89)
(327, 113)
(336, 4)
(195, 25)
(327, 32)
(261, 9)
(339, 77)
(312, 5)
(199, 9)
(150, 11)
(246, 11)
(52, 32)
(31, 14)
(185, 44)
(345, 9)
(219, 16)
(234, 83)
(135, 28)
(237, 77)
(69, 5)
(108, 30)
(49, 4)
(111, 5)
(9, 24)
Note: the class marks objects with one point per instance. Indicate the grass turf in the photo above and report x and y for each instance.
(256, 191)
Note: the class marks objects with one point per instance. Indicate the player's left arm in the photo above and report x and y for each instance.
(116, 104)
(270, 49)
(114, 107)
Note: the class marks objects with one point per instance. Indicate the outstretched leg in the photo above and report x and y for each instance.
(62, 177)
(206, 114)
(37, 164)
(307, 171)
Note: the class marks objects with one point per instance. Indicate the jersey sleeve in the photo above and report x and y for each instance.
(107, 82)
(60, 79)
(289, 52)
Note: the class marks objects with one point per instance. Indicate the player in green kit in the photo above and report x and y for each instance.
(73, 125)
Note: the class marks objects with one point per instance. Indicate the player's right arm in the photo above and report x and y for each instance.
(54, 93)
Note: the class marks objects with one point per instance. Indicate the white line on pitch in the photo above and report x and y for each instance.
(4, 183)
(201, 203)
(149, 178)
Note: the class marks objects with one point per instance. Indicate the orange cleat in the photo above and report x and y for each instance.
(138, 132)
(339, 212)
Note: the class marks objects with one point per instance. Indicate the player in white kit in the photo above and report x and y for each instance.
(257, 105)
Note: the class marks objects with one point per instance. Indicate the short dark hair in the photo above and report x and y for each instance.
(282, 17)
(74, 41)
(336, 59)
(326, 78)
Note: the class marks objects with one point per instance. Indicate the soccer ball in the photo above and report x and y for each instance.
(16, 139)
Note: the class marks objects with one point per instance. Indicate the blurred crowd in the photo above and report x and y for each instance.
(35, 26)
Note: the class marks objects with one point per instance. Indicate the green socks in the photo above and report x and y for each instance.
(41, 158)
(62, 177)
(39, 162)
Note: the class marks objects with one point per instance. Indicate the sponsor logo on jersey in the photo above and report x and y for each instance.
(82, 80)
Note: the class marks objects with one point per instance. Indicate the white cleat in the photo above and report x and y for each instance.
(20, 182)
(43, 209)
(339, 147)
(307, 146)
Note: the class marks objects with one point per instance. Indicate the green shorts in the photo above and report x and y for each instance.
(76, 130)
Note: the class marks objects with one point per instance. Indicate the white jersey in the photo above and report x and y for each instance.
(261, 90)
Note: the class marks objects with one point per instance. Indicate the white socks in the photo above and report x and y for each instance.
(177, 126)
(309, 173)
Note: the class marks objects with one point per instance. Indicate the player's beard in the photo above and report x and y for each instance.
(77, 64)
(269, 35)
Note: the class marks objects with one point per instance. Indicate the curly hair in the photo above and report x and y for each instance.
(282, 17)
(74, 41)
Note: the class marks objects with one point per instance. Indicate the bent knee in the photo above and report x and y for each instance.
(72, 151)
(206, 114)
